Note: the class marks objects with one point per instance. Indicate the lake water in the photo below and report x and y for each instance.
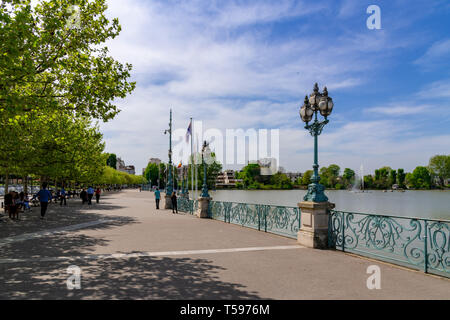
(19, 188)
(420, 204)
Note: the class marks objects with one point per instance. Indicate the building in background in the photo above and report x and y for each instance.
(227, 179)
(120, 166)
(155, 160)
(293, 176)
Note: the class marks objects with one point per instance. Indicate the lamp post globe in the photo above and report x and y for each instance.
(306, 111)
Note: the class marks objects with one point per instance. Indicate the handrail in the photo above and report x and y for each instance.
(392, 216)
(256, 204)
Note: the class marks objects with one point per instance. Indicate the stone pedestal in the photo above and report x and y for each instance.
(203, 204)
(313, 232)
(167, 202)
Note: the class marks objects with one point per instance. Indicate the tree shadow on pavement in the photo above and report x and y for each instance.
(128, 278)
(42, 274)
(57, 217)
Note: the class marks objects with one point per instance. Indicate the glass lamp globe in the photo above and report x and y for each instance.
(330, 105)
(306, 113)
(323, 106)
(326, 106)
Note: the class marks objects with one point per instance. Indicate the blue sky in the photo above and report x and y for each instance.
(249, 64)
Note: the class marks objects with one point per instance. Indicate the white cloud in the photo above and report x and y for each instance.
(436, 91)
(400, 110)
(190, 57)
(363, 142)
(435, 55)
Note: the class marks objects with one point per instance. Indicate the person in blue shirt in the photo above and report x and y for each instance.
(90, 192)
(44, 197)
(62, 196)
(157, 197)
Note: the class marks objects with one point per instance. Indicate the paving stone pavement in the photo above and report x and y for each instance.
(126, 249)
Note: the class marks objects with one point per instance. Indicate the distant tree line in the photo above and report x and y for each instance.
(435, 175)
(157, 175)
(252, 179)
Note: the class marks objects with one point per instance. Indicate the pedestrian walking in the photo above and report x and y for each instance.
(62, 197)
(83, 196)
(9, 203)
(90, 193)
(173, 197)
(14, 208)
(44, 197)
(157, 197)
(97, 194)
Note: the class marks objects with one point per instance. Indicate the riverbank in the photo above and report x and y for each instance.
(306, 188)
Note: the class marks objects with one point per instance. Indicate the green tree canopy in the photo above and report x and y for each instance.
(112, 160)
(47, 64)
(420, 178)
(439, 166)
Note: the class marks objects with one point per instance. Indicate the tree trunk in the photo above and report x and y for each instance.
(25, 187)
(6, 181)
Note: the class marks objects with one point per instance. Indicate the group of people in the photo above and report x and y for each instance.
(15, 202)
(87, 195)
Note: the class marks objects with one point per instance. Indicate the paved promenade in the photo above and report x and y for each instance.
(126, 249)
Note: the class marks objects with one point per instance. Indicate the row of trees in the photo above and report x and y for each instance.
(157, 174)
(112, 176)
(435, 175)
(252, 179)
(56, 82)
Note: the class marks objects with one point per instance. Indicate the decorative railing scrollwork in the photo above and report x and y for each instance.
(187, 205)
(419, 243)
(438, 249)
(274, 219)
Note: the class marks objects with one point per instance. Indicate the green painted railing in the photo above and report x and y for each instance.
(280, 220)
(146, 187)
(412, 242)
(187, 205)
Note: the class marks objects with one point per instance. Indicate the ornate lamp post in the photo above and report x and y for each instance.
(205, 152)
(186, 184)
(315, 208)
(169, 187)
(317, 102)
(203, 200)
(182, 181)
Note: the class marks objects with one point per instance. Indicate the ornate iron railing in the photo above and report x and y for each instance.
(413, 242)
(274, 219)
(187, 205)
(146, 187)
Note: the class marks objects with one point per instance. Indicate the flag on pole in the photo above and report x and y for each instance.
(189, 132)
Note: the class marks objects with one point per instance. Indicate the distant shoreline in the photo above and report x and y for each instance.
(305, 189)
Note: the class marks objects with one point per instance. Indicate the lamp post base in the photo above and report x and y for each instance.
(315, 193)
(203, 207)
(313, 232)
(167, 202)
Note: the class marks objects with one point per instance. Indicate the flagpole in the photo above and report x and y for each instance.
(196, 172)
